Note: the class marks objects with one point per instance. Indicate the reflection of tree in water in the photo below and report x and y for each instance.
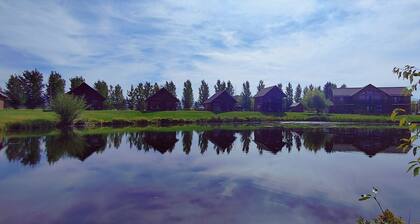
(202, 142)
(221, 139)
(73, 145)
(288, 139)
(246, 140)
(187, 141)
(115, 139)
(270, 139)
(25, 150)
(315, 139)
(159, 141)
(135, 139)
(298, 141)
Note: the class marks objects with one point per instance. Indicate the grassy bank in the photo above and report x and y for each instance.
(37, 119)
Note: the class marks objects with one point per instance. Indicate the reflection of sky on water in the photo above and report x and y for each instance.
(130, 186)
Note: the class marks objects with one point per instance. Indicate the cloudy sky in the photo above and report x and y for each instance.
(306, 41)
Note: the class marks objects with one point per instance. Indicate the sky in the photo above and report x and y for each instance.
(278, 41)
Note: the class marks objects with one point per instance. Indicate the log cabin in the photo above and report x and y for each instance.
(270, 99)
(162, 100)
(220, 102)
(94, 100)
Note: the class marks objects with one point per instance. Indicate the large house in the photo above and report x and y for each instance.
(370, 100)
(94, 100)
(270, 99)
(220, 102)
(162, 100)
(2, 101)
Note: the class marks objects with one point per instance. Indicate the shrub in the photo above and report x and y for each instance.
(315, 100)
(68, 108)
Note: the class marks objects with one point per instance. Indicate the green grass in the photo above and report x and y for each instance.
(24, 119)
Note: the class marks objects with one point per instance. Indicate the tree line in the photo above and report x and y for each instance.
(28, 90)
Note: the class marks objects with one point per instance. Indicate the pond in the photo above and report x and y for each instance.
(207, 175)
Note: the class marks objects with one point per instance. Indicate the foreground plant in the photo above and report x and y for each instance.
(386, 216)
(68, 108)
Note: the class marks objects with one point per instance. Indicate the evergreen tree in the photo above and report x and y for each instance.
(14, 93)
(343, 86)
(102, 88)
(118, 98)
(147, 90)
(280, 86)
(311, 87)
(131, 98)
(305, 90)
(246, 97)
(230, 89)
(76, 82)
(156, 88)
(111, 97)
(289, 94)
(55, 86)
(260, 86)
(140, 97)
(170, 86)
(298, 94)
(220, 86)
(203, 93)
(187, 96)
(33, 85)
(328, 90)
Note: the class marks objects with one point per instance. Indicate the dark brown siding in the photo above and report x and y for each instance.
(270, 102)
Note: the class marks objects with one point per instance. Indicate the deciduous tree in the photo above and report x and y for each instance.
(33, 86)
(289, 94)
(246, 96)
(76, 82)
(55, 86)
(187, 95)
(260, 86)
(298, 94)
(14, 93)
(203, 93)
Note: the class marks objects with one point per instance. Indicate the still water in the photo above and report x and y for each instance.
(265, 175)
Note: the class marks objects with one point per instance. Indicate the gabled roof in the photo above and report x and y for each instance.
(264, 91)
(391, 91)
(85, 89)
(217, 95)
(164, 94)
(3, 95)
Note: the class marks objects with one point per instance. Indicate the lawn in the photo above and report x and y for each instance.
(27, 119)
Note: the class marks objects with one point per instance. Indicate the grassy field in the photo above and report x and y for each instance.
(30, 119)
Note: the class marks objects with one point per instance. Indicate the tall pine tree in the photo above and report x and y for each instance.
(260, 86)
(289, 94)
(246, 96)
(229, 88)
(187, 95)
(131, 98)
(203, 93)
(170, 86)
(298, 94)
(118, 98)
(55, 86)
(328, 90)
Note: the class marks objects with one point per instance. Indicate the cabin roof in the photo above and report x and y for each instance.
(217, 95)
(85, 89)
(391, 91)
(266, 90)
(163, 94)
(3, 95)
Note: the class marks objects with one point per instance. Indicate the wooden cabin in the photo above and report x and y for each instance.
(220, 102)
(270, 99)
(94, 100)
(370, 100)
(296, 107)
(3, 99)
(162, 100)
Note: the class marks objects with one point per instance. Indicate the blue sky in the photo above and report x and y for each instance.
(126, 42)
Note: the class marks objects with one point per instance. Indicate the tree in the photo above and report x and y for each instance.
(102, 88)
(260, 86)
(55, 86)
(140, 97)
(147, 90)
(328, 90)
(220, 86)
(170, 86)
(76, 82)
(117, 98)
(32, 81)
(298, 94)
(155, 89)
(305, 90)
(203, 93)
(343, 86)
(289, 95)
(280, 86)
(230, 89)
(14, 93)
(131, 98)
(246, 96)
(315, 100)
(187, 95)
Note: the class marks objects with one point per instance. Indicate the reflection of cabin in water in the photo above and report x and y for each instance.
(94, 100)
(370, 142)
(162, 100)
(220, 102)
(221, 139)
(93, 143)
(160, 141)
(269, 139)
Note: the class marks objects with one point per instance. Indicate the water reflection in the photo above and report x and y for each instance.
(69, 144)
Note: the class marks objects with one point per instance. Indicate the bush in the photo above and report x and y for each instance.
(315, 100)
(68, 108)
(387, 217)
